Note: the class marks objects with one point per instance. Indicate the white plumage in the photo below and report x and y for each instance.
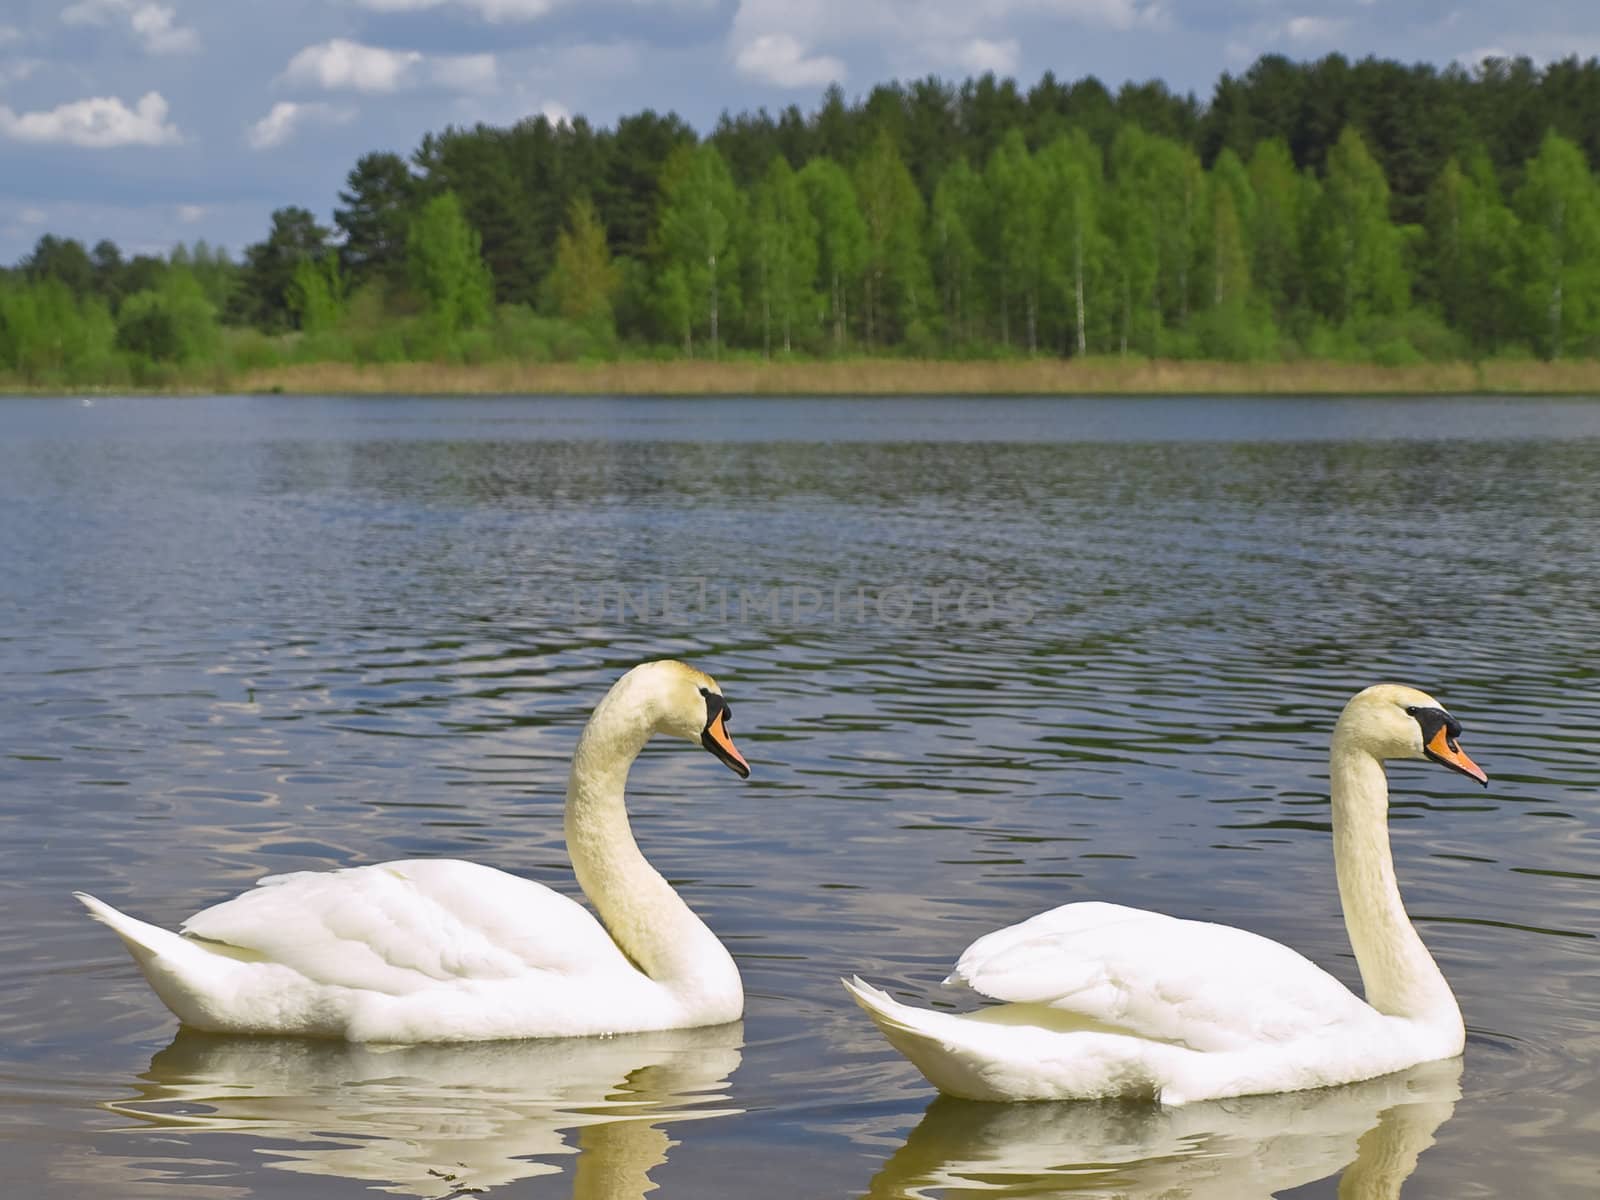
(1099, 1000)
(428, 950)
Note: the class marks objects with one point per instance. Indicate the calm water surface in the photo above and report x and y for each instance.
(987, 657)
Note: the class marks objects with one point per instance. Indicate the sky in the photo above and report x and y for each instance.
(158, 121)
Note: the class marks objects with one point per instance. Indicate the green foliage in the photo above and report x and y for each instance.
(1076, 245)
(1132, 226)
(954, 218)
(316, 294)
(1357, 210)
(262, 298)
(214, 271)
(517, 332)
(1352, 248)
(673, 306)
(1016, 184)
(1236, 331)
(841, 241)
(782, 255)
(701, 218)
(1280, 196)
(174, 323)
(63, 260)
(1559, 203)
(1228, 249)
(1470, 258)
(442, 254)
(895, 269)
(378, 204)
(584, 280)
(47, 335)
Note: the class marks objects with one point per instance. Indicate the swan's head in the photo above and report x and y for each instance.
(1390, 720)
(689, 704)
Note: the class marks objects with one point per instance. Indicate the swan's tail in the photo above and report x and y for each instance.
(178, 968)
(945, 1047)
(143, 940)
(998, 1053)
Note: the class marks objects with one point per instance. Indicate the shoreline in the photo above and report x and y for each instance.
(883, 376)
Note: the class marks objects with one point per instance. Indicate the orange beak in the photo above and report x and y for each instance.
(1445, 749)
(717, 740)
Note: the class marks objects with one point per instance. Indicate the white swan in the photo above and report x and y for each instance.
(1106, 1001)
(436, 950)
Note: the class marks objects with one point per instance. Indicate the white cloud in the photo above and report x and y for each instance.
(489, 10)
(1542, 48)
(465, 72)
(191, 213)
(774, 40)
(510, 10)
(1108, 14)
(344, 64)
(516, 10)
(1312, 29)
(341, 64)
(9, 34)
(1239, 53)
(933, 21)
(780, 59)
(18, 69)
(33, 216)
(155, 25)
(97, 123)
(980, 55)
(555, 112)
(286, 117)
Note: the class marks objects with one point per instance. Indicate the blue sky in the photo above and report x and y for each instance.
(155, 121)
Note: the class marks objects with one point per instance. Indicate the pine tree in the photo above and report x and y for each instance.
(378, 204)
(584, 280)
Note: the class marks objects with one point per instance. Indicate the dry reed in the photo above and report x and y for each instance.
(1104, 376)
(887, 376)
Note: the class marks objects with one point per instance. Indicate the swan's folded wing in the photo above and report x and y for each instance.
(1191, 983)
(402, 926)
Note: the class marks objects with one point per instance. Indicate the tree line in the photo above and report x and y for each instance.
(1366, 210)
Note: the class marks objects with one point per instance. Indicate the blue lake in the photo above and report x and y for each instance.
(987, 656)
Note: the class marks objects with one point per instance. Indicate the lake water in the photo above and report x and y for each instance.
(987, 657)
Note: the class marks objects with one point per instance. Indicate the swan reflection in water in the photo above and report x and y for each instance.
(1250, 1148)
(439, 1121)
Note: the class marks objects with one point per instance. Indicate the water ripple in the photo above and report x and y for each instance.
(252, 636)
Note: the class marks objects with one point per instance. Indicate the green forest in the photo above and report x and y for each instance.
(1365, 211)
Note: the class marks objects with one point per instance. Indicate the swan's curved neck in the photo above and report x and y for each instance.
(645, 917)
(1399, 975)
